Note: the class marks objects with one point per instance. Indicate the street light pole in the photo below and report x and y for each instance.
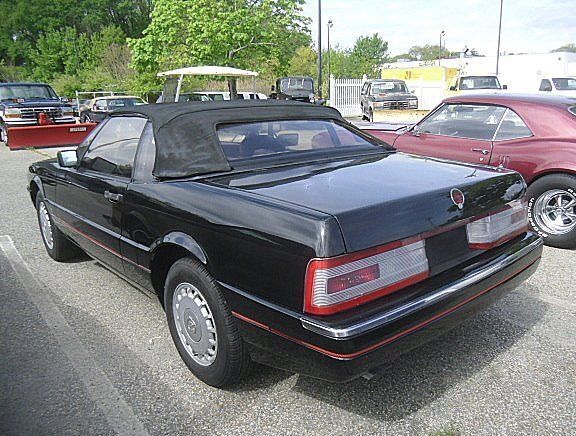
(499, 32)
(440, 47)
(319, 48)
(330, 24)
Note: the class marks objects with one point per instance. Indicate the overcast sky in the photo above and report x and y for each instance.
(533, 26)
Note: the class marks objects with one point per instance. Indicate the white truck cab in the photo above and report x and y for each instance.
(558, 86)
(474, 83)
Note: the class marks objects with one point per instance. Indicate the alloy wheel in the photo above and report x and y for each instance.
(555, 211)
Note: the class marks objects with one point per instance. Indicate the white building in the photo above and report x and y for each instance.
(521, 72)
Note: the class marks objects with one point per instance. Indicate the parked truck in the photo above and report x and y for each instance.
(475, 83)
(558, 86)
(32, 114)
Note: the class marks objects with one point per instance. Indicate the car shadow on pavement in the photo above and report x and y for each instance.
(421, 376)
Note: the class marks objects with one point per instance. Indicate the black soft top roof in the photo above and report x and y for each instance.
(185, 133)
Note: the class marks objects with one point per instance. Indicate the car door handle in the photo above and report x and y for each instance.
(481, 150)
(112, 197)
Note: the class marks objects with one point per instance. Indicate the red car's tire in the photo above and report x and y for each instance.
(552, 209)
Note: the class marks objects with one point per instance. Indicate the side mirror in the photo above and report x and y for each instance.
(94, 108)
(452, 88)
(504, 86)
(67, 158)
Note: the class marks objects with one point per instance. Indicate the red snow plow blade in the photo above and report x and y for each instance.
(51, 135)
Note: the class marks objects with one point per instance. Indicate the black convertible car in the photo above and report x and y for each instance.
(277, 232)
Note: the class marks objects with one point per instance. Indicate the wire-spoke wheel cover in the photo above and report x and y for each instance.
(195, 324)
(555, 211)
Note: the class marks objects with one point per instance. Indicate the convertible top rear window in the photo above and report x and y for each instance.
(246, 140)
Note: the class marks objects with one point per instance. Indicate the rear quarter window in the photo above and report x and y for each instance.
(512, 127)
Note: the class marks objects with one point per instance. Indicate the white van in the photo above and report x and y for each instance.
(558, 86)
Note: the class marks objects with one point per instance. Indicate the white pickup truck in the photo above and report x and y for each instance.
(474, 84)
(558, 85)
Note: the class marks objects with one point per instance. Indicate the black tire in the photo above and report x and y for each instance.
(62, 248)
(363, 113)
(539, 193)
(232, 361)
(3, 133)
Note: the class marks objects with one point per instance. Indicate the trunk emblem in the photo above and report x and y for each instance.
(457, 198)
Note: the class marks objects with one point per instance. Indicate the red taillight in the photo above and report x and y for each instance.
(352, 279)
(339, 283)
(499, 227)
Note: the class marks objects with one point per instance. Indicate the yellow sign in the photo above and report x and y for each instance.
(430, 74)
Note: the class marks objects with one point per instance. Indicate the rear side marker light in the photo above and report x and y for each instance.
(339, 283)
(499, 227)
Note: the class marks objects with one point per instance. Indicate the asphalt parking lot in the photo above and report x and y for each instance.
(83, 352)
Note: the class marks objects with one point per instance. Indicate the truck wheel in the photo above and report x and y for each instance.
(552, 209)
(58, 246)
(3, 133)
(202, 326)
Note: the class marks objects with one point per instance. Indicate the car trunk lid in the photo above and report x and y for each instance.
(382, 198)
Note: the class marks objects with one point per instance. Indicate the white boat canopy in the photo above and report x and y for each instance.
(209, 70)
(205, 70)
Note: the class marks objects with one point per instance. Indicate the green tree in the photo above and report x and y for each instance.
(242, 33)
(567, 47)
(303, 62)
(67, 52)
(367, 55)
(427, 52)
(24, 22)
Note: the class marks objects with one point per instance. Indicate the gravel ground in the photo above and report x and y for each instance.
(83, 352)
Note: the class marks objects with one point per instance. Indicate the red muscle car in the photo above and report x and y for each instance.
(532, 134)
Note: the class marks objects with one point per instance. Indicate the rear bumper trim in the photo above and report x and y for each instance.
(390, 316)
(399, 335)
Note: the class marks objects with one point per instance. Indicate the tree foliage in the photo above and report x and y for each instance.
(571, 48)
(368, 55)
(24, 22)
(364, 58)
(257, 34)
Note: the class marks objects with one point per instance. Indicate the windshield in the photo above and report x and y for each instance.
(565, 83)
(388, 87)
(248, 140)
(296, 84)
(118, 103)
(479, 82)
(26, 92)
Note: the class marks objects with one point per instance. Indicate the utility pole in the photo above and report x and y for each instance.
(499, 32)
(328, 26)
(440, 47)
(319, 48)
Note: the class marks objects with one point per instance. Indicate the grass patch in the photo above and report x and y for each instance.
(446, 432)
